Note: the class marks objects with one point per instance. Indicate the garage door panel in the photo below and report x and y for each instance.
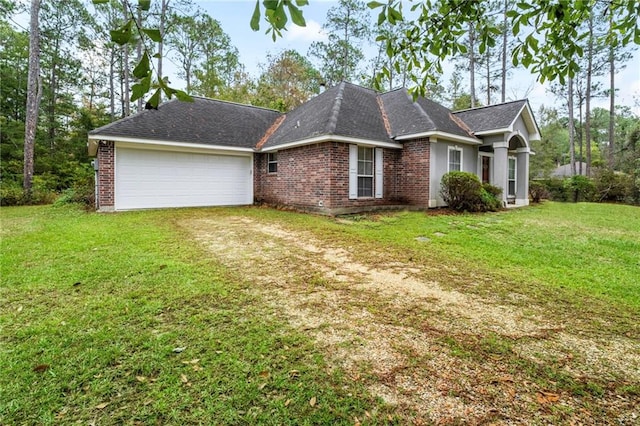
(148, 179)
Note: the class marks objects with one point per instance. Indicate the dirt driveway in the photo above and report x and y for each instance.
(439, 355)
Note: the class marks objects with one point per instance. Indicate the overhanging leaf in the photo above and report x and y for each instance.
(123, 34)
(296, 16)
(255, 18)
(153, 34)
(100, 1)
(142, 69)
(154, 100)
(144, 4)
(183, 96)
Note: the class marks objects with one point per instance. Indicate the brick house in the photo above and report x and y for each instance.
(347, 149)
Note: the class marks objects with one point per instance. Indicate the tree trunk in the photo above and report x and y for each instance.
(161, 28)
(572, 142)
(580, 134)
(504, 51)
(472, 65)
(139, 54)
(126, 103)
(488, 65)
(588, 96)
(33, 96)
(612, 97)
(112, 92)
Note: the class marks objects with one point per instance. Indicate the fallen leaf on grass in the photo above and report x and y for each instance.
(179, 349)
(287, 402)
(547, 397)
(294, 374)
(264, 374)
(141, 379)
(41, 368)
(101, 406)
(262, 386)
(312, 401)
(184, 379)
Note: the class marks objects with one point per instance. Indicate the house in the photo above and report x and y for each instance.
(347, 149)
(565, 170)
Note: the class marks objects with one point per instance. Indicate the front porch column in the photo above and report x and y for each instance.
(522, 177)
(501, 167)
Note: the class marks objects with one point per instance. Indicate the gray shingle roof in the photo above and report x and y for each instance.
(203, 121)
(492, 117)
(343, 110)
(408, 117)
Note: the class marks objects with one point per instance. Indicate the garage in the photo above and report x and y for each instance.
(157, 178)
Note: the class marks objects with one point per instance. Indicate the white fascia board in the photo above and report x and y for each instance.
(333, 138)
(173, 144)
(495, 131)
(440, 135)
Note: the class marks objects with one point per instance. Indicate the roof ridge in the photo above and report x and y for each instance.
(234, 103)
(335, 111)
(385, 117)
(421, 110)
(490, 106)
(270, 131)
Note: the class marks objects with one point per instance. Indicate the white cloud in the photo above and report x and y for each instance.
(312, 32)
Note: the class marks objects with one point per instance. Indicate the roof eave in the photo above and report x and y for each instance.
(332, 138)
(440, 135)
(94, 139)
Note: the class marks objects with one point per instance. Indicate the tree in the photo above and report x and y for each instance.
(34, 93)
(347, 25)
(288, 80)
(551, 48)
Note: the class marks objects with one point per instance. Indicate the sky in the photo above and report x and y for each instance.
(234, 17)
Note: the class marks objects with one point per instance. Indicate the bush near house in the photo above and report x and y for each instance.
(463, 191)
(537, 191)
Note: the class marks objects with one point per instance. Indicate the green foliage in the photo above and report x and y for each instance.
(537, 191)
(276, 15)
(579, 188)
(13, 194)
(611, 186)
(462, 191)
(551, 51)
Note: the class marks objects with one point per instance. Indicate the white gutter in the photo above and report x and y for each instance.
(94, 139)
(333, 138)
(440, 135)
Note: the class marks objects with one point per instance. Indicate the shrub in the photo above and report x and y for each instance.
(537, 191)
(463, 191)
(12, 194)
(490, 196)
(579, 188)
(556, 189)
(612, 186)
(82, 191)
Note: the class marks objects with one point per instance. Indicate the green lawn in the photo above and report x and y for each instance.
(92, 307)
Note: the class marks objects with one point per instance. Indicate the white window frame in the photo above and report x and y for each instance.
(515, 175)
(372, 161)
(377, 175)
(272, 160)
(457, 149)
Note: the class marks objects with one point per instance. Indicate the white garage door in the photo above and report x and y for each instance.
(149, 178)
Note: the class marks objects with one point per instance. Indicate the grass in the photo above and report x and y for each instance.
(92, 308)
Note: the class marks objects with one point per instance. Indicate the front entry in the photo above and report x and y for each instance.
(486, 169)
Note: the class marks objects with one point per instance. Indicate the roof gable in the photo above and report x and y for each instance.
(203, 121)
(492, 117)
(344, 110)
(409, 117)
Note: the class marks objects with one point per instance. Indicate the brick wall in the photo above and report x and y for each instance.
(106, 177)
(316, 177)
(414, 172)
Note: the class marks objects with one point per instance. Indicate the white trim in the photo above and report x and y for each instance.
(334, 138)
(515, 176)
(433, 203)
(439, 134)
(495, 131)
(517, 133)
(353, 172)
(378, 161)
(500, 145)
(454, 148)
(524, 150)
(177, 144)
(192, 148)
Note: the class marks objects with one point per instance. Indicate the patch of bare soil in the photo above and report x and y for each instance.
(441, 356)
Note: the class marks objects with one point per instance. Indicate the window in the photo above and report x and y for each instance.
(365, 172)
(455, 159)
(272, 162)
(512, 177)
